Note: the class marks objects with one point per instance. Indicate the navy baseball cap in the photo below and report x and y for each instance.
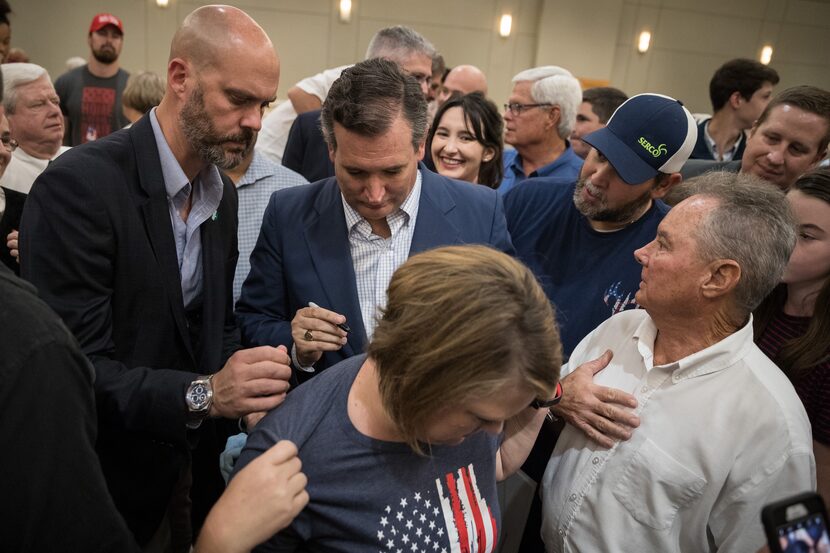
(647, 134)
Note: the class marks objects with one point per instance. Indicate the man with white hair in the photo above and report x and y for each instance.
(538, 118)
(35, 122)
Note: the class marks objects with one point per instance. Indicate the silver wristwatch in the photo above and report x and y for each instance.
(199, 398)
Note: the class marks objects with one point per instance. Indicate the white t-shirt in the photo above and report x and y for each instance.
(274, 132)
(23, 169)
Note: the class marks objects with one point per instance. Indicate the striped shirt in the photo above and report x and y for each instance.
(375, 258)
(813, 386)
(263, 178)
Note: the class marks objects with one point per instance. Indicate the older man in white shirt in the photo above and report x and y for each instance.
(35, 122)
(722, 431)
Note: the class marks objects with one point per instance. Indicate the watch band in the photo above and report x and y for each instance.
(548, 403)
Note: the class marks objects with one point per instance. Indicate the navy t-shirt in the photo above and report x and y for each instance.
(588, 275)
(370, 495)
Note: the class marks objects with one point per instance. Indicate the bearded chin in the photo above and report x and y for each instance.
(108, 56)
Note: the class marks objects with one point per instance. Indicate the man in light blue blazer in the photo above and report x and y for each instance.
(326, 251)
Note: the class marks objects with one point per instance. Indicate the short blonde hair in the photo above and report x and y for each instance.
(461, 322)
(144, 91)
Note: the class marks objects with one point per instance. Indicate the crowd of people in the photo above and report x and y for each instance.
(626, 301)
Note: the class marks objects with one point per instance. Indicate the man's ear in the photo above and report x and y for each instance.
(421, 150)
(177, 73)
(724, 275)
(819, 156)
(554, 116)
(665, 185)
(332, 151)
(735, 100)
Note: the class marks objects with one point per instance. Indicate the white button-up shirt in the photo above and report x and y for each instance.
(375, 258)
(722, 433)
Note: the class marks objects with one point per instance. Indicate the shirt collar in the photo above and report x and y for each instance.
(716, 357)
(563, 159)
(713, 146)
(409, 207)
(173, 174)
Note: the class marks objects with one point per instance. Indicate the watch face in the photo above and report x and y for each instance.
(198, 396)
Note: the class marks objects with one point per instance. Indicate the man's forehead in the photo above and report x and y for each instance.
(799, 122)
(417, 63)
(686, 215)
(522, 88)
(41, 84)
(587, 108)
(396, 138)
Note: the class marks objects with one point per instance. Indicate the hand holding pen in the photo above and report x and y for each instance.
(315, 330)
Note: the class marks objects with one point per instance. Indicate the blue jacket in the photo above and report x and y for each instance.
(303, 254)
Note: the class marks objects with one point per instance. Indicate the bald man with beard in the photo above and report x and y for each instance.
(132, 241)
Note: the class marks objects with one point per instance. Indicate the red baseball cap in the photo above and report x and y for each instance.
(102, 20)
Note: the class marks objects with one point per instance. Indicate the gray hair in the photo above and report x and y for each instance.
(555, 85)
(753, 225)
(369, 96)
(16, 75)
(399, 43)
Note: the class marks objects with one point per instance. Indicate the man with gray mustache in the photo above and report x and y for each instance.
(579, 238)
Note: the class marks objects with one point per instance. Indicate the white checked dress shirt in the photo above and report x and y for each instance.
(375, 258)
(722, 432)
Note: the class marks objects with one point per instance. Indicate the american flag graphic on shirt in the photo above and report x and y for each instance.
(452, 518)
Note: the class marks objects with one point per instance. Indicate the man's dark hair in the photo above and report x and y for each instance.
(809, 98)
(739, 75)
(604, 101)
(369, 96)
(5, 10)
(438, 64)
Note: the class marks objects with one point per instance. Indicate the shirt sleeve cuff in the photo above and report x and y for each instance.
(296, 362)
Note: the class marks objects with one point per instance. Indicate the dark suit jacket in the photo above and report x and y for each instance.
(97, 242)
(303, 254)
(8, 222)
(306, 151)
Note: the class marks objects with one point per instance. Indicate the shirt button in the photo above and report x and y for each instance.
(595, 460)
(561, 532)
(644, 389)
(572, 497)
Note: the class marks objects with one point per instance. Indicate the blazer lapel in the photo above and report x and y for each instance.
(328, 245)
(157, 221)
(433, 227)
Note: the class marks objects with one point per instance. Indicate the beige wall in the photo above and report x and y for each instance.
(594, 39)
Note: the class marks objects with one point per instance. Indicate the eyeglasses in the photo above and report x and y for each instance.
(8, 142)
(516, 109)
(547, 403)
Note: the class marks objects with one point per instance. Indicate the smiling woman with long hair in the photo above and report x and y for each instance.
(792, 325)
(465, 140)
